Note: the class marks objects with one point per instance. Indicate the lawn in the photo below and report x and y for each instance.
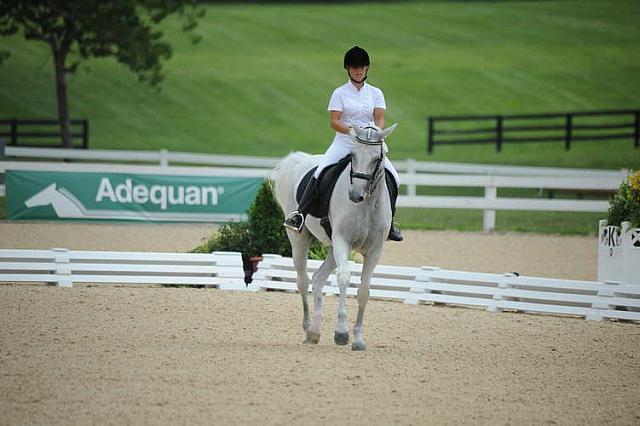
(259, 81)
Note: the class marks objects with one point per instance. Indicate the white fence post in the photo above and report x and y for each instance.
(411, 171)
(489, 216)
(164, 158)
(609, 252)
(607, 292)
(63, 267)
(493, 307)
(413, 298)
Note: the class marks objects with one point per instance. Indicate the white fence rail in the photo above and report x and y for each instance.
(165, 158)
(64, 267)
(488, 177)
(495, 292)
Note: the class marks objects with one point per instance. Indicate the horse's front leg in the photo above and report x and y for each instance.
(317, 281)
(341, 251)
(300, 250)
(369, 264)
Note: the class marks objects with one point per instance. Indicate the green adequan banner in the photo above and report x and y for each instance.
(122, 196)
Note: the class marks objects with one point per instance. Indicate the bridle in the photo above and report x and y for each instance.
(372, 178)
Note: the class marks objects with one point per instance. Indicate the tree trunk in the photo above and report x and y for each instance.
(61, 91)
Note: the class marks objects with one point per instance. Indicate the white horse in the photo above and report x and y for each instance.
(360, 216)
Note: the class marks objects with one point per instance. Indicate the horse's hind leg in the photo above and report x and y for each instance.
(369, 264)
(317, 281)
(300, 249)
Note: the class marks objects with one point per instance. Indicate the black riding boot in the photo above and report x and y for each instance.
(295, 219)
(394, 232)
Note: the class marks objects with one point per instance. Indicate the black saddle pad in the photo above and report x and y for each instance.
(326, 183)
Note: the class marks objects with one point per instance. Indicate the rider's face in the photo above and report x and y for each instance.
(357, 73)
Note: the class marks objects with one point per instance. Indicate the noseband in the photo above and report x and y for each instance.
(374, 177)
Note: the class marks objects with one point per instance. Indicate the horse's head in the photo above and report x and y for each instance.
(43, 197)
(367, 160)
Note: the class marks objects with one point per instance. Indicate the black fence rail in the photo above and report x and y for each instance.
(565, 127)
(42, 133)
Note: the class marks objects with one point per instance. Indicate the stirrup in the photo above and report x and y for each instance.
(294, 221)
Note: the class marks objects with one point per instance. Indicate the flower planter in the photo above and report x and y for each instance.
(250, 266)
(618, 253)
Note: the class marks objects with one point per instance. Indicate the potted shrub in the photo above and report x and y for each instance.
(262, 233)
(266, 229)
(619, 235)
(267, 234)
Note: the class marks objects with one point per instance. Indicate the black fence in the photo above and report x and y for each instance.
(43, 133)
(565, 127)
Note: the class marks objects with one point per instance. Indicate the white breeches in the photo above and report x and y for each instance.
(338, 150)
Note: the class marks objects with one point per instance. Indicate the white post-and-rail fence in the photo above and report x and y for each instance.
(494, 292)
(413, 174)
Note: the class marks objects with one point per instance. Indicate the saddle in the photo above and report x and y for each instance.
(326, 182)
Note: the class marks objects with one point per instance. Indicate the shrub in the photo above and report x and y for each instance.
(624, 205)
(262, 233)
(232, 236)
(267, 234)
(317, 251)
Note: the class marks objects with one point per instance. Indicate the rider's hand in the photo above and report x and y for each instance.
(352, 132)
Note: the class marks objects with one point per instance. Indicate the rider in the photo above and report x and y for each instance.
(355, 103)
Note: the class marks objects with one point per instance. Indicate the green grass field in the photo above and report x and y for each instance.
(259, 82)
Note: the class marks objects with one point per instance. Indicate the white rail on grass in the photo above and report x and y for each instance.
(488, 177)
(495, 292)
(164, 157)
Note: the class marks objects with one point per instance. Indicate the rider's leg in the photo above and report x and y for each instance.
(336, 152)
(393, 180)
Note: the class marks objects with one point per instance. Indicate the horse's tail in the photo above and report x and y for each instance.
(287, 173)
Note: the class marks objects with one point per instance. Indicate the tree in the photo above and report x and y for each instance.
(81, 29)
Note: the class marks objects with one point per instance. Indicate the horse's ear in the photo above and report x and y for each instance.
(360, 132)
(386, 132)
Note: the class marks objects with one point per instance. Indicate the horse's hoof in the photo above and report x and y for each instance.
(341, 338)
(358, 346)
(312, 338)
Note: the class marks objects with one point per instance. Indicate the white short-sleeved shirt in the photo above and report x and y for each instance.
(356, 105)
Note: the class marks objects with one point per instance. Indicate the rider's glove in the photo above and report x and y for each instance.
(352, 132)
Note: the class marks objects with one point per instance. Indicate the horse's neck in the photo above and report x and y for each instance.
(64, 206)
(378, 195)
(375, 205)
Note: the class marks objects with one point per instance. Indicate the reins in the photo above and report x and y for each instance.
(372, 178)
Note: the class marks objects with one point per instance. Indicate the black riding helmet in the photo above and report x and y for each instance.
(356, 57)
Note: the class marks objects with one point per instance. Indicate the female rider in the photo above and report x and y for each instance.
(355, 103)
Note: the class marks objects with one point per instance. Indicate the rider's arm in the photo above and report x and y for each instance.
(337, 124)
(378, 117)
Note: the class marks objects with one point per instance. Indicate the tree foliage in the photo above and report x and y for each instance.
(127, 30)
